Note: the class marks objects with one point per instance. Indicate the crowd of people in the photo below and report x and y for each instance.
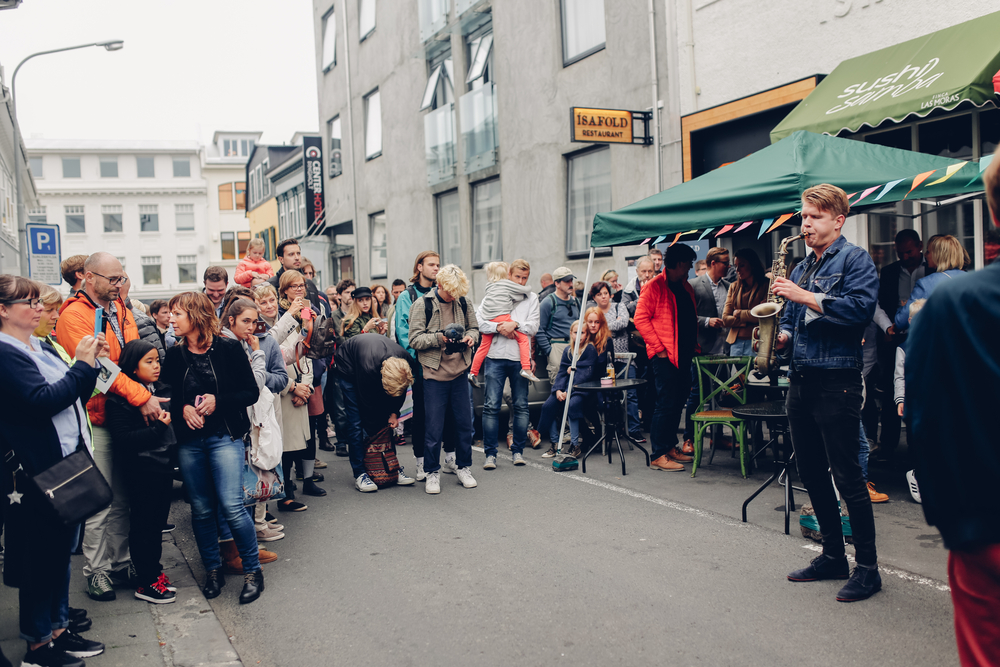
(195, 374)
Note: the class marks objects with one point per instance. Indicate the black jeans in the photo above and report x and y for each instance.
(672, 388)
(891, 422)
(824, 410)
(147, 515)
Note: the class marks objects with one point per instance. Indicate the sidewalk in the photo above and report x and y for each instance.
(185, 633)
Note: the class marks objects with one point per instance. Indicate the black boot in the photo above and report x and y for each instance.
(318, 425)
(214, 581)
(310, 489)
(253, 586)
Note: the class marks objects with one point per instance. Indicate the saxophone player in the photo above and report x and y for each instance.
(831, 297)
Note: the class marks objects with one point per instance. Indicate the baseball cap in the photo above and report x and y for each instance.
(562, 273)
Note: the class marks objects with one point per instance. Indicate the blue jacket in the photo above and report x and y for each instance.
(922, 290)
(28, 403)
(588, 367)
(403, 305)
(832, 339)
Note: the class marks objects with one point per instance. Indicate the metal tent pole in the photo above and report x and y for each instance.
(572, 365)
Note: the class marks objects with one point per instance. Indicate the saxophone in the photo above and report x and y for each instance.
(765, 335)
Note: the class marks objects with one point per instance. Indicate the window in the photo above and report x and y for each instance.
(439, 91)
(380, 264)
(112, 218)
(36, 166)
(373, 126)
(243, 240)
(37, 215)
(151, 274)
(366, 18)
(480, 52)
(109, 167)
(228, 245)
(187, 269)
(74, 220)
(246, 145)
(184, 216)
(486, 241)
(149, 218)
(588, 183)
(254, 198)
(449, 231)
(336, 158)
(226, 197)
(121, 260)
(144, 167)
(302, 212)
(241, 195)
(583, 29)
(329, 40)
(182, 167)
(71, 167)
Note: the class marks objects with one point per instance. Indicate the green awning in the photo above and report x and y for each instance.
(937, 71)
(768, 184)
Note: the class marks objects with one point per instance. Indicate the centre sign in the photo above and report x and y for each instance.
(610, 126)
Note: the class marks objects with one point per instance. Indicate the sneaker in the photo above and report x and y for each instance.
(270, 518)
(421, 475)
(50, 656)
(364, 484)
(474, 381)
(319, 465)
(166, 583)
(156, 592)
(550, 453)
(466, 479)
(269, 534)
(875, 495)
(76, 646)
(575, 451)
(911, 481)
(680, 457)
(99, 587)
(276, 526)
(529, 375)
(491, 463)
(433, 483)
(666, 463)
(449, 466)
(534, 438)
(822, 567)
(168, 527)
(864, 583)
(518, 459)
(403, 480)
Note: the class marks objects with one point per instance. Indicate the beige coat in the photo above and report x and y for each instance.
(294, 419)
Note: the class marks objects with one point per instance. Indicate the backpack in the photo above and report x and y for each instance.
(555, 304)
(321, 338)
(380, 461)
(429, 309)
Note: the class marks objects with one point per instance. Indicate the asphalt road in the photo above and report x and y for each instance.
(539, 568)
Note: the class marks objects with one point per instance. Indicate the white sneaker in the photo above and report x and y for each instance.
(421, 475)
(466, 478)
(364, 483)
(491, 463)
(449, 466)
(911, 481)
(518, 459)
(433, 483)
(403, 480)
(269, 534)
(529, 376)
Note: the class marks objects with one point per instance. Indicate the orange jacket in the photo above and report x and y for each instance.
(656, 317)
(76, 321)
(247, 266)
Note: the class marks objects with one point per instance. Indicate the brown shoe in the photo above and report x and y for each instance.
(687, 447)
(665, 463)
(725, 442)
(534, 439)
(266, 556)
(231, 561)
(675, 455)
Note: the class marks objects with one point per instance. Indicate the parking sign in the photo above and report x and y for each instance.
(44, 253)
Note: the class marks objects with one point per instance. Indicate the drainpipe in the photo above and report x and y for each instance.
(689, 48)
(656, 95)
(350, 129)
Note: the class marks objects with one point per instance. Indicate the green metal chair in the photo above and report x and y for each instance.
(711, 387)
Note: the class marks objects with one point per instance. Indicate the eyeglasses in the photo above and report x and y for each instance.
(32, 303)
(118, 280)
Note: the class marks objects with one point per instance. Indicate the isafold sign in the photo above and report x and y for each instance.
(610, 126)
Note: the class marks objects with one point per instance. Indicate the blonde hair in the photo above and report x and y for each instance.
(50, 296)
(354, 312)
(828, 198)
(286, 280)
(396, 376)
(915, 306)
(497, 271)
(948, 253)
(264, 290)
(255, 243)
(520, 265)
(453, 281)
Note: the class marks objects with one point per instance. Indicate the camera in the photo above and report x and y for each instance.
(453, 335)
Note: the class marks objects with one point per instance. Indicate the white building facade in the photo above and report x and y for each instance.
(223, 167)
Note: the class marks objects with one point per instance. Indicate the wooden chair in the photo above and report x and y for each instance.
(711, 387)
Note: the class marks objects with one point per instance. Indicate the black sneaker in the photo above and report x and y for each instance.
(77, 614)
(168, 527)
(865, 582)
(76, 646)
(822, 567)
(81, 625)
(156, 592)
(50, 656)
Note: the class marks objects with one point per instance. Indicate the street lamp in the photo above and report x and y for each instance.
(109, 45)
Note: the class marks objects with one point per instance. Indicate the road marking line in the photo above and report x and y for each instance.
(902, 574)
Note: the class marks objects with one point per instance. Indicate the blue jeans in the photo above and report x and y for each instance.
(495, 372)
(743, 347)
(441, 399)
(353, 434)
(631, 402)
(672, 387)
(212, 468)
(551, 418)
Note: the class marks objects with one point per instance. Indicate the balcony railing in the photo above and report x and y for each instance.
(479, 128)
(439, 137)
(433, 17)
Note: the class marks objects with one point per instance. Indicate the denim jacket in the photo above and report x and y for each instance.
(848, 281)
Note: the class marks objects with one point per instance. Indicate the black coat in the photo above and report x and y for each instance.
(141, 446)
(359, 361)
(237, 388)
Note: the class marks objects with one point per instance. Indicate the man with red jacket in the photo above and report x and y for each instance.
(665, 316)
(105, 541)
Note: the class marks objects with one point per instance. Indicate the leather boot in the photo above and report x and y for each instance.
(231, 561)
(214, 581)
(318, 425)
(266, 556)
(253, 586)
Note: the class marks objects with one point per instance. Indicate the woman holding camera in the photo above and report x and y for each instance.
(362, 316)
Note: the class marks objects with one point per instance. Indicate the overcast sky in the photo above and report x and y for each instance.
(189, 67)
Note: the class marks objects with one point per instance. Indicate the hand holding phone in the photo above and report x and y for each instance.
(98, 321)
(307, 314)
(198, 400)
(261, 327)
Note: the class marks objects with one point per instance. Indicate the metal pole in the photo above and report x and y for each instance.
(22, 234)
(576, 351)
(350, 131)
(656, 95)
